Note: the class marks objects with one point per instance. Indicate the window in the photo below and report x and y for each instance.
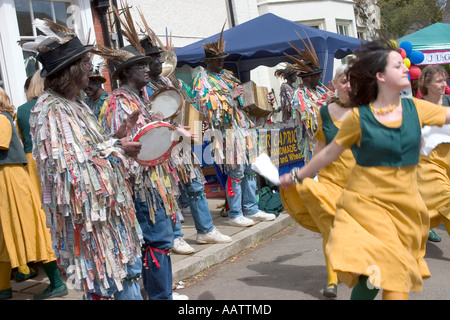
(27, 11)
(317, 23)
(343, 27)
(361, 35)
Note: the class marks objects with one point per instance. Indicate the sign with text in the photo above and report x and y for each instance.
(436, 57)
(281, 145)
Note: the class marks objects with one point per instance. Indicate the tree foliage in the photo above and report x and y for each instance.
(401, 17)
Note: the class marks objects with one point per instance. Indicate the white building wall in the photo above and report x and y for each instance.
(309, 12)
(188, 20)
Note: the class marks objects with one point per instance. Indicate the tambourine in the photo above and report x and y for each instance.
(157, 144)
(169, 101)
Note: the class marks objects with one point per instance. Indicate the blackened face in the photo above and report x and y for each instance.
(315, 78)
(156, 65)
(216, 65)
(311, 81)
(291, 78)
(138, 75)
(92, 87)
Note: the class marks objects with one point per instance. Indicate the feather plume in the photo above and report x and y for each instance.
(32, 45)
(116, 56)
(307, 59)
(54, 30)
(129, 30)
(218, 47)
(149, 32)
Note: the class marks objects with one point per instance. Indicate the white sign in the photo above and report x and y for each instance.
(439, 57)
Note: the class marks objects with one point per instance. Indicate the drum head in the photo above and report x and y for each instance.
(157, 144)
(169, 101)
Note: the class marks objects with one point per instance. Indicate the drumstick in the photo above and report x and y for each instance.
(323, 86)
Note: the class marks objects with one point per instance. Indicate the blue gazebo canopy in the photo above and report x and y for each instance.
(262, 41)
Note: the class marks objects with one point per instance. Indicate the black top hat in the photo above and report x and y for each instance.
(149, 47)
(134, 58)
(60, 55)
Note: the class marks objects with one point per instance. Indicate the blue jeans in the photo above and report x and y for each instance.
(245, 191)
(131, 289)
(193, 193)
(159, 235)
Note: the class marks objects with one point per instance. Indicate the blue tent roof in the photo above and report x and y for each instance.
(262, 41)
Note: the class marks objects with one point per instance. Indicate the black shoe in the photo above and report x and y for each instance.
(330, 291)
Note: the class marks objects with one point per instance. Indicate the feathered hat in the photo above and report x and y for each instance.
(308, 63)
(61, 47)
(215, 50)
(129, 55)
(286, 72)
(121, 58)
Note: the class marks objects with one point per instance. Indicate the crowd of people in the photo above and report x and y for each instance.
(375, 178)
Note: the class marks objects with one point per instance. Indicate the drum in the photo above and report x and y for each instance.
(255, 100)
(194, 119)
(157, 144)
(167, 100)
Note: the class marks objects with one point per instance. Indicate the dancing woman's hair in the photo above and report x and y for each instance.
(371, 58)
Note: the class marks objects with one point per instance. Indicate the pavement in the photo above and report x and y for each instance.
(184, 266)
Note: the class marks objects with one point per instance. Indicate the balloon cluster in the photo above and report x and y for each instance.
(411, 58)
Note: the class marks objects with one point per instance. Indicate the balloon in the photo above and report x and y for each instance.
(407, 46)
(416, 57)
(394, 43)
(414, 72)
(407, 62)
(402, 53)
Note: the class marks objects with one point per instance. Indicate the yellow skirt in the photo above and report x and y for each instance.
(313, 203)
(32, 170)
(24, 236)
(380, 230)
(434, 183)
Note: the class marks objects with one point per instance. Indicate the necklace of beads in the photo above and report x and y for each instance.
(383, 110)
(339, 102)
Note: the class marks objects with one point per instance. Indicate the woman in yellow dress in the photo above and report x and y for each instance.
(313, 203)
(381, 223)
(434, 162)
(24, 236)
(34, 88)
